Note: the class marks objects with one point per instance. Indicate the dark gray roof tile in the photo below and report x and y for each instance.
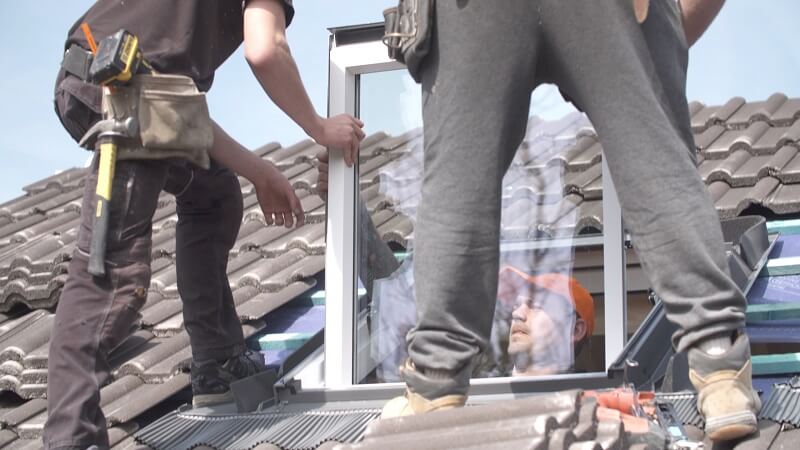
(736, 200)
(585, 154)
(169, 326)
(373, 145)
(67, 220)
(587, 214)
(20, 414)
(771, 140)
(310, 239)
(727, 110)
(27, 336)
(755, 136)
(26, 205)
(725, 169)
(791, 136)
(771, 165)
(68, 201)
(12, 368)
(403, 142)
(137, 343)
(708, 137)
(118, 389)
(302, 152)
(305, 178)
(6, 438)
(299, 271)
(165, 281)
(785, 199)
(25, 444)
(398, 229)
(790, 173)
(708, 116)
(262, 304)
(548, 188)
(787, 113)
(37, 358)
(160, 311)
(172, 364)
(157, 353)
(267, 149)
(164, 243)
(39, 255)
(756, 111)
(32, 428)
(69, 178)
(580, 183)
(699, 114)
(7, 231)
(258, 274)
(371, 170)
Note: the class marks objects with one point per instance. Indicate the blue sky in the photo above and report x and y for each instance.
(750, 51)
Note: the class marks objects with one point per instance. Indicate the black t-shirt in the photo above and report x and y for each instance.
(184, 37)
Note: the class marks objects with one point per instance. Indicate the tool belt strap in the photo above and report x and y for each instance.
(77, 62)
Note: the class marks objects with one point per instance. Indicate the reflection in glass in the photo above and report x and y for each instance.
(548, 313)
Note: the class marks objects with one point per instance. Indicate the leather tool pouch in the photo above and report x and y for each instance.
(172, 115)
(408, 31)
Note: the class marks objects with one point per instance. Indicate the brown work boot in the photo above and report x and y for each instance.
(412, 403)
(725, 395)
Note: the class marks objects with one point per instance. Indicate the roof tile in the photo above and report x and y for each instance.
(756, 111)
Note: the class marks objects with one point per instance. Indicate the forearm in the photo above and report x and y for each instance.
(233, 155)
(697, 16)
(267, 52)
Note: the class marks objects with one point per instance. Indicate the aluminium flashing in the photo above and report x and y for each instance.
(356, 34)
(783, 406)
(305, 430)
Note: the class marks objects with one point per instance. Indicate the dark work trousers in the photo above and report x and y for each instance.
(95, 315)
(630, 80)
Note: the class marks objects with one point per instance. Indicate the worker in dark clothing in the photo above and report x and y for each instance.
(95, 314)
(627, 70)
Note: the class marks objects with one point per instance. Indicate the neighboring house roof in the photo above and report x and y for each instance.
(748, 154)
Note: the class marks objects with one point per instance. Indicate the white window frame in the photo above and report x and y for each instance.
(346, 63)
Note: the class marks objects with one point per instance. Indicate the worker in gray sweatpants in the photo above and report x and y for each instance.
(629, 78)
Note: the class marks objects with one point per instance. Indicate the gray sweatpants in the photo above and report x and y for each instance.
(630, 80)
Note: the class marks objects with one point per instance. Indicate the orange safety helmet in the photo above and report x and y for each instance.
(511, 280)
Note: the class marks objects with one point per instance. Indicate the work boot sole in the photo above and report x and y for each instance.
(199, 401)
(731, 427)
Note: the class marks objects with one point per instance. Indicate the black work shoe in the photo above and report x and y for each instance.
(211, 379)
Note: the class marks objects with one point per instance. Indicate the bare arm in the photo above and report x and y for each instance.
(267, 51)
(275, 194)
(697, 16)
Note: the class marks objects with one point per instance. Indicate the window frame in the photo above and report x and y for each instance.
(349, 58)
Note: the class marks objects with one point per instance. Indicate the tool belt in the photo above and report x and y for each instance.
(407, 33)
(170, 114)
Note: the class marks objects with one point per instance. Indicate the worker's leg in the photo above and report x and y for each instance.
(94, 315)
(665, 39)
(209, 216)
(476, 94)
(606, 64)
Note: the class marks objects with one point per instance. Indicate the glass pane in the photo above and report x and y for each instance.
(549, 316)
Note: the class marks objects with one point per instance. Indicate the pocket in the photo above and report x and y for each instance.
(76, 106)
(174, 120)
(129, 296)
(407, 33)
